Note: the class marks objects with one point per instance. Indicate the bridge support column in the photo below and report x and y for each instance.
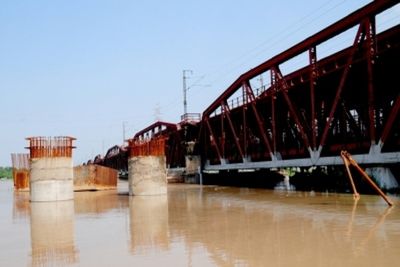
(51, 169)
(147, 175)
(51, 179)
(192, 175)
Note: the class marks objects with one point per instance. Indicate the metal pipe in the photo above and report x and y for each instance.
(356, 195)
(366, 177)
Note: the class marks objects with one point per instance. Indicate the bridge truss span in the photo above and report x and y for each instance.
(348, 100)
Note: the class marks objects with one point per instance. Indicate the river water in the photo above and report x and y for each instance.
(199, 226)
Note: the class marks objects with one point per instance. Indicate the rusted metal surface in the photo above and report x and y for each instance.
(159, 128)
(94, 177)
(151, 141)
(50, 147)
(20, 168)
(150, 147)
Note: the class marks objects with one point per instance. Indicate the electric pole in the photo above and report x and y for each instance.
(185, 90)
(123, 133)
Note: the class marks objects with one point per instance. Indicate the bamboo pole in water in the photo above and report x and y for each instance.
(347, 159)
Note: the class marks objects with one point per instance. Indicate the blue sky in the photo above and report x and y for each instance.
(82, 68)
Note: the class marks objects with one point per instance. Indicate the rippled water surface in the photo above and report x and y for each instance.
(199, 226)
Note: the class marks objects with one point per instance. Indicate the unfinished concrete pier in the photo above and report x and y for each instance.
(147, 172)
(51, 168)
(20, 171)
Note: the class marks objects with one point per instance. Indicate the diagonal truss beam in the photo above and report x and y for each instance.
(284, 88)
(370, 10)
(227, 112)
(213, 140)
(250, 94)
(357, 41)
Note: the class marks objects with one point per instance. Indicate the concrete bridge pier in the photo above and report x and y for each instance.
(192, 169)
(147, 172)
(147, 175)
(51, 169)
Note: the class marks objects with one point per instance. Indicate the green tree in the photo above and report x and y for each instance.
(6, 172)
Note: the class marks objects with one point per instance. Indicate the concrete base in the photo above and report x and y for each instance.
(192, 179)
(51, 179)
(192, 164)
(175, 175)
(94, 177)
(147, 175)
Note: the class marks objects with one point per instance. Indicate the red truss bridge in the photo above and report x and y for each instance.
(349, 100)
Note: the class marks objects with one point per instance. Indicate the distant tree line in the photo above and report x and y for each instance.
(6, 172)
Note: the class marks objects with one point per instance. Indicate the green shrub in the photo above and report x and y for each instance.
(6, 172)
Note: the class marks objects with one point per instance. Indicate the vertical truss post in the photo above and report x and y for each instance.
(347, 67)
(244, 120)
(228, 116)
(313, 77)
(370, 51)
(223, 136)
(273, 99)
(250, 94)
(284, 88)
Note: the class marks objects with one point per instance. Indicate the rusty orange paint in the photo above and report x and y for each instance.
(21, 179)
(151, 147)
(50, 147)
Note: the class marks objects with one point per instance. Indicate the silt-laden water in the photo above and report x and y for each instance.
(199, 226)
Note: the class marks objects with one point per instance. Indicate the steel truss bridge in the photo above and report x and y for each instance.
(349, 100)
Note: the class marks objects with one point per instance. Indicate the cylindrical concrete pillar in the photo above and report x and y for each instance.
(147, 173)
(51, 168)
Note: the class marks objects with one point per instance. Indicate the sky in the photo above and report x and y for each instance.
(85, 68)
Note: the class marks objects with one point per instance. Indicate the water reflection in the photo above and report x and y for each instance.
(21, 205)
(98, 202)
(52, 233)
(148, 223)
(299, 229)
(201, 226)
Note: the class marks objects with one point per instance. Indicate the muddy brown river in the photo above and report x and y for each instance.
(199, 226)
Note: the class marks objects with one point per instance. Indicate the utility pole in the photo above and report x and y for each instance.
(185, 90)
(123, 133)
(262, 83)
